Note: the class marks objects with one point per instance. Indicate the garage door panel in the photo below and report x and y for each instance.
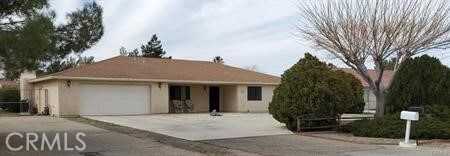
(114, 99)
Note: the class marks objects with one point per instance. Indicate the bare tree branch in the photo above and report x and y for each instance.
(356, 31)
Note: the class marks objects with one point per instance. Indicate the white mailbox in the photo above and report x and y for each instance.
(408, 115)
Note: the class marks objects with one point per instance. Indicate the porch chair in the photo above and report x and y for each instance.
(178, 106)
(189, 106)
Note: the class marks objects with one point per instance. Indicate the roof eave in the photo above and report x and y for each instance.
(41, 79)
(146, 80)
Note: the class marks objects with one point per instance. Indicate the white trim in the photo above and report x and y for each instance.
(147, 80)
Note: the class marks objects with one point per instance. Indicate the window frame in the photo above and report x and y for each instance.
(254, 93)
(176, 93)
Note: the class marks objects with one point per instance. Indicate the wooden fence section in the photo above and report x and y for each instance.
(334, 122)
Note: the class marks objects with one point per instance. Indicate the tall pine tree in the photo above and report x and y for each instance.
(31, 39)
(218, 59)
(153, 48)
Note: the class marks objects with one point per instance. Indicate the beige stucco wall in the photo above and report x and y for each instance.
(68, 98)
(64, 100)
(40, 99)
(233, 98)
(229, 98)
(159, 98)
(245, 105)
(369, 99)
(200, 98)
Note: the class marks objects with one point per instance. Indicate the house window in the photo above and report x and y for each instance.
(366, 95)
(180, 93)
(254, 93)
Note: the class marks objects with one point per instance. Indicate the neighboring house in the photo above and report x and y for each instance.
(137, 85)
(5, 84)
(369, 97)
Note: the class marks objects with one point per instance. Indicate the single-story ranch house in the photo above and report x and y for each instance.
(137, 85)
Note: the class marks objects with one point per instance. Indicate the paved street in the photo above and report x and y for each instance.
(302, 145)
(98, 141)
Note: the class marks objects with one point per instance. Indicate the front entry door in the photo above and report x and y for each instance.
(214, 99)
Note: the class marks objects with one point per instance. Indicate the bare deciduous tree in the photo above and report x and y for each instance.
(359, 31)
(252, 68)
(123, 51)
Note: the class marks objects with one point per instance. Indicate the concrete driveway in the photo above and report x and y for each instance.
(202, 126)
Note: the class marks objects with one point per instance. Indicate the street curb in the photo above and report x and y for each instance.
(393, 142)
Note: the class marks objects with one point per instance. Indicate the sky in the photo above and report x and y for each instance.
(244, 33)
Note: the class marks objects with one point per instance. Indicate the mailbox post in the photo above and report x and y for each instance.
(408, 116)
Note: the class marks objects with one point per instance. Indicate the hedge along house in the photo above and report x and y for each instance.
(369, 97)
(136, 85)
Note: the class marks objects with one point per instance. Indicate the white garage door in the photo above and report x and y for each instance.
(114, 99)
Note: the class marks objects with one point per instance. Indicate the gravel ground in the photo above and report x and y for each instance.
(4, 113)
(288, 145)
(98, 141)
(375, 141)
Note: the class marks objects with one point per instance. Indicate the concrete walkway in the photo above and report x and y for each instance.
(202, 126)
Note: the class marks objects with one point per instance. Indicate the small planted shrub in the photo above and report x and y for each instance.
(391, 126)
(440, 112)
(311, 88)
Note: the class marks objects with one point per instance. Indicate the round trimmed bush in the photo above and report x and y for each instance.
(422, 81)
(312, 88)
